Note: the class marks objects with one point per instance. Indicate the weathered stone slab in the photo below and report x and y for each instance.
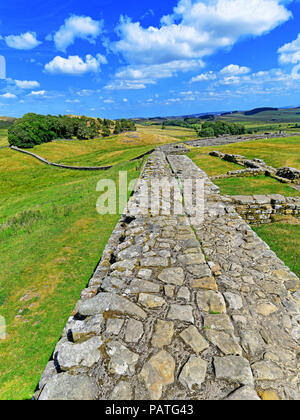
(157, 373)
(70, 388)
(134, 331)
(193, 372)
(173, 276)
(234, 369)
(208, 283)
(209, 301)
(105, 302)
(181, 313)
(164, 331)
(151, 301)
(79, 355)
(138, 286)
(122, 360)
(192, 337)
(243, 394)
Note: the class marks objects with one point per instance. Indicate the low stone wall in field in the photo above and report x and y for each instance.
(289, 173)
(240, 174)
(261, 209)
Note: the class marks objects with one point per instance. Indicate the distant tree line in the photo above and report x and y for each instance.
(209, 128)
(34, 129)
(220, 128)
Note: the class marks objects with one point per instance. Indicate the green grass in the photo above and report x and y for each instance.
(3, 137)
(51, 241)
(287, 249)
(210, 164)
(277, 152)
(254, 185)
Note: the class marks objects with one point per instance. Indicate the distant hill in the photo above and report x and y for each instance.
(258, 110)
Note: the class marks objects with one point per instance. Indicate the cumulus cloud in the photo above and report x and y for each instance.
(75, 65)
(26, 41)
(290, 52)
(27, 84)
(234, 70)
(204, 77)
(9, 95)
(81, 27)
(198, 28)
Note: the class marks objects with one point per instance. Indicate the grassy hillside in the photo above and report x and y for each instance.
(280, 116)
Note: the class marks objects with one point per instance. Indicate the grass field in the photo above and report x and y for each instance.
(284, 239)
(277, 152)
(51, 240)
(210, 164)
(3, 137)
(179, 133)
(100, 152)
(254, 185)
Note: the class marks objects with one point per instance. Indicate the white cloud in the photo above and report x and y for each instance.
(75, 65)
(290, 52)
(109, 101)
(234, 70)
(9, 96)
(125, 100)
(198, 28)
(204, 77)
(125, 85)
(81, 27)
(139, 76)
(38, 93)
(27, 84)
(26, 41)
(73, 101)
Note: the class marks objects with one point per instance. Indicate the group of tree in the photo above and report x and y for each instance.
(123, 126)
(221, 128)
(34, 129)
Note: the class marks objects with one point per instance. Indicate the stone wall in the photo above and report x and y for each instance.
(77, 168)
(289, 173)
(261, 209)
(179, 311)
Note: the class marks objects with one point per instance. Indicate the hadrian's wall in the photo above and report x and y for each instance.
(180, 308)
(261, 209)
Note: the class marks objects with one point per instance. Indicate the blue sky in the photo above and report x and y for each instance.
(117, 59)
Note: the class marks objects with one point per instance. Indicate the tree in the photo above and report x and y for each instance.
(106, 132)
